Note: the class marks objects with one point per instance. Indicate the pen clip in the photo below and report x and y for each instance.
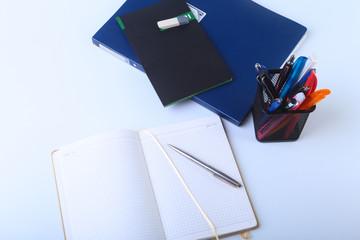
(264, 78)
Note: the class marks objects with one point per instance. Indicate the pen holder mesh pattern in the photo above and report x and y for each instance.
(279, 126)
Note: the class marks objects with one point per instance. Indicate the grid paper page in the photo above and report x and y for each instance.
(227, 207)
(105, 190)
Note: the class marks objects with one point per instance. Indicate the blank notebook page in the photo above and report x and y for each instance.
(228, 207)
(105, 190)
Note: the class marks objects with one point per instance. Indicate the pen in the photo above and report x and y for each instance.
(284, 74)
(310, 64)
(295, 101)
(264, 79)
(216, 173)
(290, 82)
(293, 76)
(314, 98)
(296, 97)
(311, 82)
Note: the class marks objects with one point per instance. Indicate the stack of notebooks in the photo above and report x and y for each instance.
(242, 33)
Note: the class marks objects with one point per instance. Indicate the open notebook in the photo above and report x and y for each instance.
(119, 185)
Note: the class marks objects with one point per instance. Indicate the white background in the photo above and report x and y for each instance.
(56, 87)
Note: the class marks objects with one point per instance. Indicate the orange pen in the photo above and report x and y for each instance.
(314, 98)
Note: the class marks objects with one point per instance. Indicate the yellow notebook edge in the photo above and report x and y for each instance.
(57, 191)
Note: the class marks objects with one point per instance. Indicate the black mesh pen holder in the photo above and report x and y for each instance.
(279, 126)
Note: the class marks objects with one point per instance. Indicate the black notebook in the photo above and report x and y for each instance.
(181, 61)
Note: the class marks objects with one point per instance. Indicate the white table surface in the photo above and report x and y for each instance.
(56, 87)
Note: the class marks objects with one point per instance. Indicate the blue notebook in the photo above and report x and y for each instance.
(243, 32)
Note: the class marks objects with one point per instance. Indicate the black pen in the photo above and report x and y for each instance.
(264, 79)
(284, 74)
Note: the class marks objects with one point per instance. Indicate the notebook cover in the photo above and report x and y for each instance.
(245, 33)
(181, 61)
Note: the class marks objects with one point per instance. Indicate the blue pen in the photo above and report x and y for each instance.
(305, 77)
(290, 82)
(299, 85)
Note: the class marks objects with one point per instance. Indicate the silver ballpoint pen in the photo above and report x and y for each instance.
(218, 174)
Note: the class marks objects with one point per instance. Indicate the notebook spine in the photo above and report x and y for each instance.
(119, 56)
